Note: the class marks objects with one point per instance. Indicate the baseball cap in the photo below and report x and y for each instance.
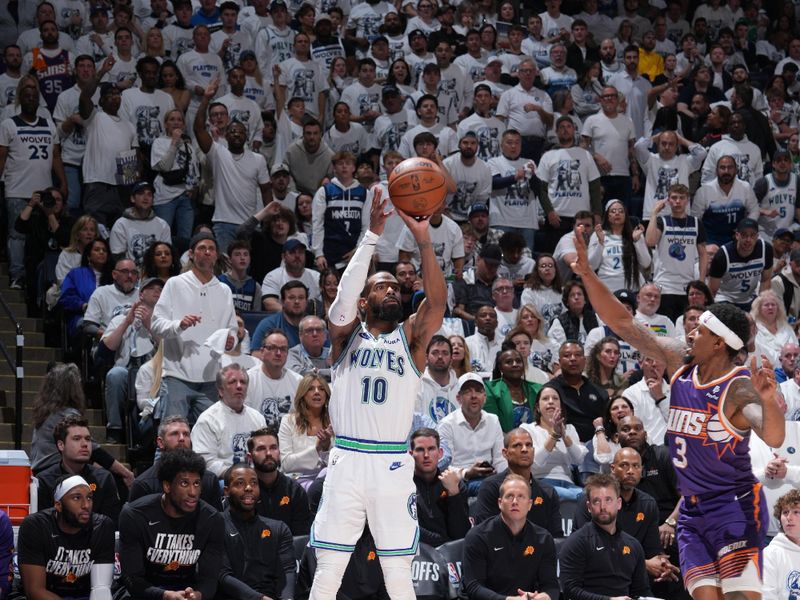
(467, 134)
(293, 243)
(481, 86)
(277, 4)
(247, 54)
(626, 297)
(414, 33)
(279, 168)
(491, 253)
(390, 90)
(150, 281)
(494, 58)
(98, 10)
(747, 224)
(783, 232)
(142, 185)
(322, 17)
(199, 237)
(466, 377)
(478, 207)
(781, 154)
(563, 118)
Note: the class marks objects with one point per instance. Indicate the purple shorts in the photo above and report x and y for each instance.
(719, 536)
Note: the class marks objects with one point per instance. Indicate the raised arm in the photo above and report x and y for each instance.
(421, 326)
(617, 317)
(343, 313)
(204, 139)
(752, 404)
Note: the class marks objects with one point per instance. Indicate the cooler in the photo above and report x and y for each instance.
(15, 484)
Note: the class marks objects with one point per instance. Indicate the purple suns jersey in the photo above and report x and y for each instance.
(709, 454)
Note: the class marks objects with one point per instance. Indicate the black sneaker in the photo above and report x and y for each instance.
(114, 436)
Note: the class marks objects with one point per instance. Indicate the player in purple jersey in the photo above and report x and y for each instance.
(713, 407)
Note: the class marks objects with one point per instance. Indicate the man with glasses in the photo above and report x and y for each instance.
(193, 306)
(527, 109)
(294, 300)
(311, 354)
(272, 386)
(108, 301)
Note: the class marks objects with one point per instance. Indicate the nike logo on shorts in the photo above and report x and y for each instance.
(395, 465)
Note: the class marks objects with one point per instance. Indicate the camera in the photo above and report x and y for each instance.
(47, 199)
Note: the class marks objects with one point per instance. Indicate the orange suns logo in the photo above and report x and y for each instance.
(371, 555)
(639, 517)
(284, 501)
(172, 566)
(71, 577)
(538, 500)
(265, 533)
(528, 551)
(626, 550)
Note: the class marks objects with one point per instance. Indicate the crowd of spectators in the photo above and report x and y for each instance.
(185, 180)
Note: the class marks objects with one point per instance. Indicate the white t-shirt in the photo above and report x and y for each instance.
(568, 172)
(272, 398)
(489, 130)
(355, 139)
(472, 67)
(245, 111)
(30, 156)
(8, 89)
(122, 71)
(447, 241)
(473, 185)
(661, 174)
(177, 40)
(610, 139)
(107, 137)
(515, 205)
(73, 146)
(236, 183)
(199, 69)
(187, 151)
(552, 26)
(362, 99)
(239, 42)
(303, 79)
(146, 112)
(448, 142)
(277, 278)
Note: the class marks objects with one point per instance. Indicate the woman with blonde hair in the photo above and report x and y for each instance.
(305, 434)
(154, 44)
(521, 340)
(543, 289)
(460, 355)
(772, 326)
(175, 159)
(541, 354)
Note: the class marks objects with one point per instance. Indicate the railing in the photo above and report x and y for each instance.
(18, 371)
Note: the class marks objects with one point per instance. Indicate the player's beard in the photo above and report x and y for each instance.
(390, 312)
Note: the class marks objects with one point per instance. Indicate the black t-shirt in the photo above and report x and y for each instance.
(104, 489)
(285, 501)
(66, 558)
(158, 552)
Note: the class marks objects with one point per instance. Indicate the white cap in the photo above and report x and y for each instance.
(468, 377)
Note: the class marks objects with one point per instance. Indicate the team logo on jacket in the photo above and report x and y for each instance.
(284, 501)
(626, 550)
(265, 533)
(371, 555)
(528, 551)
(639, 517)
(538, 500)
(412, 506)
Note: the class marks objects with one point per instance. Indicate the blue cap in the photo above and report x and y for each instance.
(140, 186)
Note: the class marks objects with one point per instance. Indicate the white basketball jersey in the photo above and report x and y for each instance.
(374, 386)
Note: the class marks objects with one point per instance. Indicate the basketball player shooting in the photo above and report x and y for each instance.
(713, 407)
(376, 370)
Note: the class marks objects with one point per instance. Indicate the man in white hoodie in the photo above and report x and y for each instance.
(192, 307)
(221, 433)
(438, 391)
(782, 556)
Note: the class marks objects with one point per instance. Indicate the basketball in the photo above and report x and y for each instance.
(417, 187)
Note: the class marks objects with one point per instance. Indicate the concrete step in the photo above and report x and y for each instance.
(7, 431)
(32, 338)
(10, 295)
(29, 324)
(29, 382)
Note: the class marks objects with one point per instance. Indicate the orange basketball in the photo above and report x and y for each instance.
(417, 187)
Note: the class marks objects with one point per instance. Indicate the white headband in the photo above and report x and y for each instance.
(716, 326)
(66, 485)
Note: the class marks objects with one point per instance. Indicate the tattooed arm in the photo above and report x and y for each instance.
(751, 404)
